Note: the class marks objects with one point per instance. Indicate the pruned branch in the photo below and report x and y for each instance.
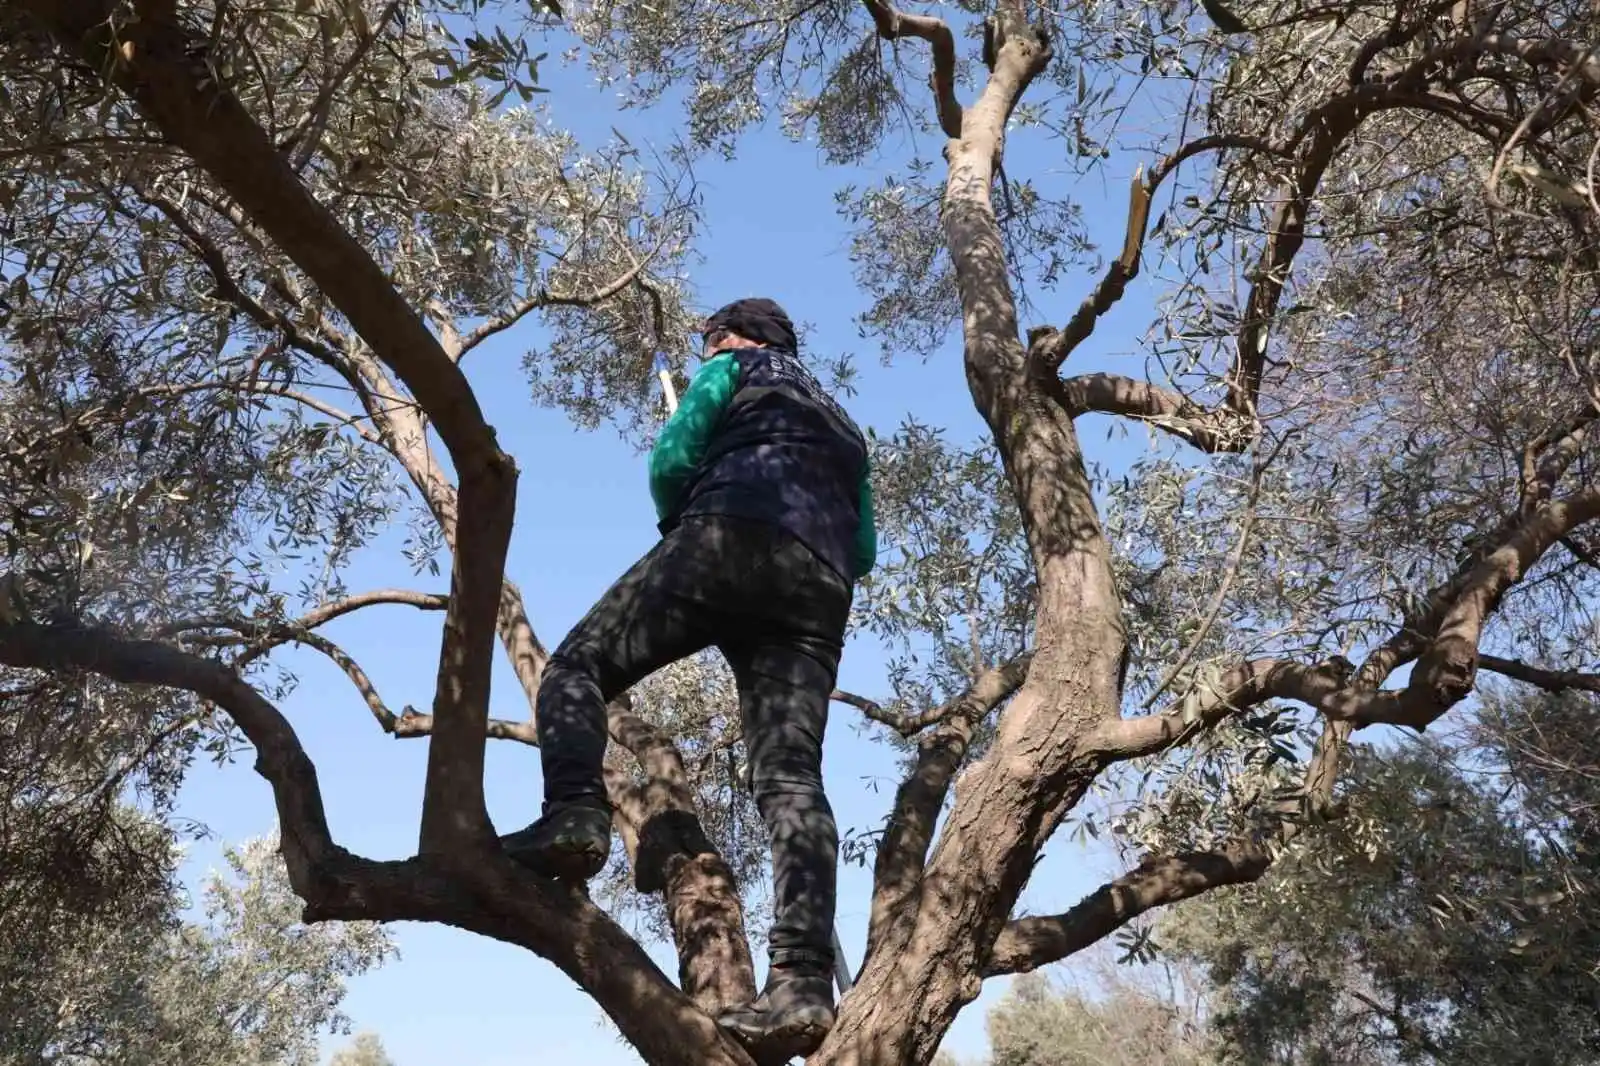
(1048, 355)
(425, 601)
(893, 24)
(352, 669)
(262, 636)
(1029, 943)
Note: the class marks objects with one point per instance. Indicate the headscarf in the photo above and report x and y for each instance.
(755, 318)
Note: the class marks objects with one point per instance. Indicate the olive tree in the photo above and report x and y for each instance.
(244, 983)
(1369, 390)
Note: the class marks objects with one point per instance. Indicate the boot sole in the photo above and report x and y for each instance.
(577, 863)
(795, 1040)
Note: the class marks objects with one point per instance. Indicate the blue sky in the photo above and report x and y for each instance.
(584, 515)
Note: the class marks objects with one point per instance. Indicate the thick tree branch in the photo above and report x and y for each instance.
(1209, 429)
(1240, 688)
(893, 24)
(902, 853)
(1547, 457)
(1445, 671)
(669, 851)
(318, 869)
(1549, 680)
(493, 898)
(671, 854)
(1029, 943)
(162, 67)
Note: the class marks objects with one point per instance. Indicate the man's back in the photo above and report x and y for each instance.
(758, 437)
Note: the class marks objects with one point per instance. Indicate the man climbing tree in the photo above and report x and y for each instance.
(253, 249)
(761, 483)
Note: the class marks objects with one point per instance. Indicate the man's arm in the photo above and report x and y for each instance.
(687, 434)
(867, 534)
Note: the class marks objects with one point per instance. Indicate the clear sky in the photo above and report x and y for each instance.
(584, 515)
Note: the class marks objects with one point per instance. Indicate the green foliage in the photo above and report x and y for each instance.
(1040, 1025)
(1446, 919)
(365, 1050)
(132, 981)
(1119, 1018)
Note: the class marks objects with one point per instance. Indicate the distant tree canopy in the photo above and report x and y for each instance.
(365, 1050)
(250, 252)
(1447, 919)
(132, 982)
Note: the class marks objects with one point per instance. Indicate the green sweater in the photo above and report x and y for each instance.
(688, 434)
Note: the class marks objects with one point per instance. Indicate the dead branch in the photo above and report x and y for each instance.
(426, 601)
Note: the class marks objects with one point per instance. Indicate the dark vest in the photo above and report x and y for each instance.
(785, 452)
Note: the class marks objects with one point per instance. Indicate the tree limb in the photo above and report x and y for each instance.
(544, 298)
(493, 898)
(1029, 943)
(893, 24)
(1239, 689)
(154, 61)
(1011, 673)
(1209, 429)
(1549, 680)
(426, 601)
(902, 853)
(1444, 672)
(319, 869)
(1049, 355)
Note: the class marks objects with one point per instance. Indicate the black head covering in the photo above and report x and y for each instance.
(755, 318)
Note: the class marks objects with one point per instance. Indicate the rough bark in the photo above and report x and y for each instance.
(934, 959)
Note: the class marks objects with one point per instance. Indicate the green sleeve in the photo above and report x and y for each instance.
(867, 535)
(688, 432)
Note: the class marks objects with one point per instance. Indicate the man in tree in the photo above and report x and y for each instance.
(761, 483)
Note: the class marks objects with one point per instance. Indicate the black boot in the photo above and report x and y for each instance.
(791, 1016)
(571, 841)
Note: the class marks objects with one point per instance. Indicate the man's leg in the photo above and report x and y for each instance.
(785, 676)
(661, 610)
